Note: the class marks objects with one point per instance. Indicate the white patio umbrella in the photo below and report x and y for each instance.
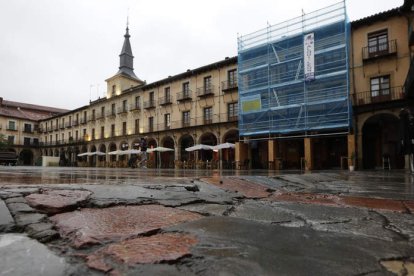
(115, 152)
(84, 154)
(199, 147)
(99, 153)
(224, 146)
(160, 149)
(130, 151)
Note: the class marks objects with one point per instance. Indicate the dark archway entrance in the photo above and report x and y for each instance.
(26, 157)
(380, 138)
(291, 151)
(186, 141)
(327, 152)
(167, 157)
(211, 140)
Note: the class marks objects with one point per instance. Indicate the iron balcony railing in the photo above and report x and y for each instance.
(165, 100)
(149, 104)
(205, 91)
(184, 96)
(111, 113)
(228, 86)
(379, 50)
(122, 110)
(134, 107)
(378, 96)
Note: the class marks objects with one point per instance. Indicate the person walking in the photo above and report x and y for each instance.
(143, 148)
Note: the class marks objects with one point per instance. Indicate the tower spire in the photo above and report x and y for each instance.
(126, 59)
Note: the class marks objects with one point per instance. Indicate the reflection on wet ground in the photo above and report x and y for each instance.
(67, 175)
(380, 183)
(210, 222)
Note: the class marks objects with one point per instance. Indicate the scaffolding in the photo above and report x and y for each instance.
(293, 76)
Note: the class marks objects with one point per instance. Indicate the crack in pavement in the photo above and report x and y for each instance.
(387, 225)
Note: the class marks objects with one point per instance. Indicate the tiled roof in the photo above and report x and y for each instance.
(381, 15)
(27, 111)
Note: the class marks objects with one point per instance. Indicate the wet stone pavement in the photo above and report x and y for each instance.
(80, 221)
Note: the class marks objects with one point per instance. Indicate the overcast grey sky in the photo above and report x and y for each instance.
(52, 51)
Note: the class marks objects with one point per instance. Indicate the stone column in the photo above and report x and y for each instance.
(308, 154)
(241, 153)
(273, 154)
(351, 150)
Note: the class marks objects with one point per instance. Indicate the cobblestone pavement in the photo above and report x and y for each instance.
(80, 221)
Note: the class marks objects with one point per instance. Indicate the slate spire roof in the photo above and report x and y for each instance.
(126, 59)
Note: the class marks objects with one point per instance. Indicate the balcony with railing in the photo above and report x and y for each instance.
(111, 113)
(100, 116)
(379, 50)
(68, 124)
(165, 100)
(205, 91)
(184, 96)
(232, 118)
(149, 104)
(378, 96)
(122, 110)
(91, 118)
(75, 123)
(83, 121)
(229, 86)
(62, 126)
(135, 107)
(28, 130)
(11, 128)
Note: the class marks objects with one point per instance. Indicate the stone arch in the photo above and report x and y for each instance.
(135, 144)
(26, 157)
(167, 157)
(228, 155)
(112, 147)
(231, 136)
(92, 158)
(102, 148)
(184, 142)
(380, 138)
(152, 158)
(210, 139)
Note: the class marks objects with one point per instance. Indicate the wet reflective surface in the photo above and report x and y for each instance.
(210, 222)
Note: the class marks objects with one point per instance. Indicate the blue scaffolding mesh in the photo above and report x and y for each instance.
(274, 97)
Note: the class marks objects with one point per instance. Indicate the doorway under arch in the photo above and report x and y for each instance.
(26, 157)
(380, 138)
(185, 141)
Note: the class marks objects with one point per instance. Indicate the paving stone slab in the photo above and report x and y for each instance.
(92, 226)
(24, 219)
(56, 201)
(21, 255)
(228, 244)
(43, 232)
(335, 219)
(208, 209)
(165, 247)
(6, 220)
(20, 208)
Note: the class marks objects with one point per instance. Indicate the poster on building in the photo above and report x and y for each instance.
(309, 56)
(251, 104)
